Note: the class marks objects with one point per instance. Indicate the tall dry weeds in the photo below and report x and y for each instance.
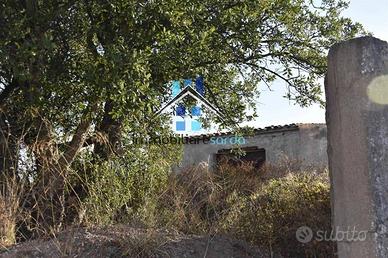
(263, 206)
(11, 193)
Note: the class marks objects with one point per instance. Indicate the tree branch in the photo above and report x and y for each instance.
(78, 139)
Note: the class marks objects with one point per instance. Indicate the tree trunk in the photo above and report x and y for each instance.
(110, 128)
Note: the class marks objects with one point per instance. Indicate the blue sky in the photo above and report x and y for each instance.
(273, 109)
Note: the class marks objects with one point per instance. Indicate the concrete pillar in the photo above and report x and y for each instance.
(357, 118)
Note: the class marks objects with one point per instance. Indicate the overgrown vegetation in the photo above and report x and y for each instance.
(118, 188)
(264, 207)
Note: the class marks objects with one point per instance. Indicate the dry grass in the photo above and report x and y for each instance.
(264, 206)
(10, 196)
(147, 245)
(124, 241)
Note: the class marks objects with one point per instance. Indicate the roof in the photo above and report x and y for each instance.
(264, 130)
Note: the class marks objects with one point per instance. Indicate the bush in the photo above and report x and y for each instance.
(249, 204)
(272, 215)
(120, 189)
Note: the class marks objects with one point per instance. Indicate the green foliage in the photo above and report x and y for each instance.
(120, 188)
(109, 190)
(63, 55)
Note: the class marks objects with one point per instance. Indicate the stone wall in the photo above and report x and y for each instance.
(304, 142)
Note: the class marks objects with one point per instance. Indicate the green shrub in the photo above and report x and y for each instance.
(123, 188)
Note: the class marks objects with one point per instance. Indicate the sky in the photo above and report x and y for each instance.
(273, 109)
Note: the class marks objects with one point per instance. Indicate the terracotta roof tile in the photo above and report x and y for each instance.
(268, 129)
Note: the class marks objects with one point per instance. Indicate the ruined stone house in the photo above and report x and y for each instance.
(303, 142)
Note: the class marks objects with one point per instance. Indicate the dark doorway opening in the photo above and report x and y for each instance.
(254, 156)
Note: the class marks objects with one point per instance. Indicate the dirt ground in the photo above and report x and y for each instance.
(124, 241)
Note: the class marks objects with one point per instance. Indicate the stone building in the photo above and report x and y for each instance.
(303, 142)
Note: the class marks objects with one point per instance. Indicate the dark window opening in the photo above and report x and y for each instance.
(253, 156)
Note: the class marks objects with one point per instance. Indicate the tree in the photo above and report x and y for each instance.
(76, 73)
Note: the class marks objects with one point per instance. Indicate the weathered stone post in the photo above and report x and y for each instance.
(357, 119)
